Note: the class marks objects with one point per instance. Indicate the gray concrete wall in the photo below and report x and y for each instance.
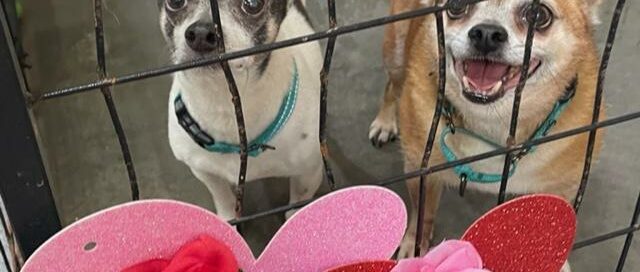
(84, 161)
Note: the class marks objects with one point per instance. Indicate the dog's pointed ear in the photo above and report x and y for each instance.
(592, 10)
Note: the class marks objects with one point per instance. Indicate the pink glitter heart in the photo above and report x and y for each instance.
(125, 235)
(348, 226)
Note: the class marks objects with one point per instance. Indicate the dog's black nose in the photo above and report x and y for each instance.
(488, 38)
(201, 38)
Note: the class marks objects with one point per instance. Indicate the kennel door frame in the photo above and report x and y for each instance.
(23, 178)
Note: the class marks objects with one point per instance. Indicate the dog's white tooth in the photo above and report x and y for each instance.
(513, 72)
(496, 88)
(465, 82)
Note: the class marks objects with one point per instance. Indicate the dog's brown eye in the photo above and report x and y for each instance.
(543, 13)
(457, 9)
(175, 5)
(252, 7)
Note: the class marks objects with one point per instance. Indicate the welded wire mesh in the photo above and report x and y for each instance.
(105, 82)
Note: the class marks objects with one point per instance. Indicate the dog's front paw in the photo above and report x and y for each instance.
(407, 247)
(383, 130)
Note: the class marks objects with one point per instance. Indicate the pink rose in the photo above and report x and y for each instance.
(450, 256)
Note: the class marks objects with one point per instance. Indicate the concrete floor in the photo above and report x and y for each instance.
(84, 160)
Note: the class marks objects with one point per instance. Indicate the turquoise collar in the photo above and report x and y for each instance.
(466, 173)
(260, 143)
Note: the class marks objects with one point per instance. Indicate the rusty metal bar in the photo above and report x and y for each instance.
(449, 165)
(604, 64)
(324, 91)
(338, 31)
(237, 104)
(629, 240)
(513, 129)
(108, 99)
(442, 82)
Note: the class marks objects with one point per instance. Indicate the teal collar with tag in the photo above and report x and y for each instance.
(466, 173)
(260, 143)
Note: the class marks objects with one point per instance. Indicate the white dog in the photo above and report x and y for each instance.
(280, 94)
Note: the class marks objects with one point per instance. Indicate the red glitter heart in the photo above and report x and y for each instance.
(532, 233)
(376, 266)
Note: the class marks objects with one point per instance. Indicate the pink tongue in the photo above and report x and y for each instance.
(483, 75)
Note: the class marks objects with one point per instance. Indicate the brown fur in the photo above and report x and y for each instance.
(560, 174)
(397, 41)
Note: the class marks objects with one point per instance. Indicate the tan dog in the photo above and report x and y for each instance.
(485, 48)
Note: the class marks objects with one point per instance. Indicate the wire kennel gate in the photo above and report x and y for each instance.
(28, 198)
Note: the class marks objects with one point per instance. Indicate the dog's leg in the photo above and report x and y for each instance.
(223, 197)
(304, 187)
(433, 193)
(384, 128)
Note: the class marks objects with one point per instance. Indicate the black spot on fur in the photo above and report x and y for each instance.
(261, 35)
(263, 65)
(278, 10)
(168, 28)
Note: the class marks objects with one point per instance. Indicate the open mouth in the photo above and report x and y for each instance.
(485, 80)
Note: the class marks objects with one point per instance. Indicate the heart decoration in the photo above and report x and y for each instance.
(347, 226)
(530, 233)
(537, 230)
(352, 230)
